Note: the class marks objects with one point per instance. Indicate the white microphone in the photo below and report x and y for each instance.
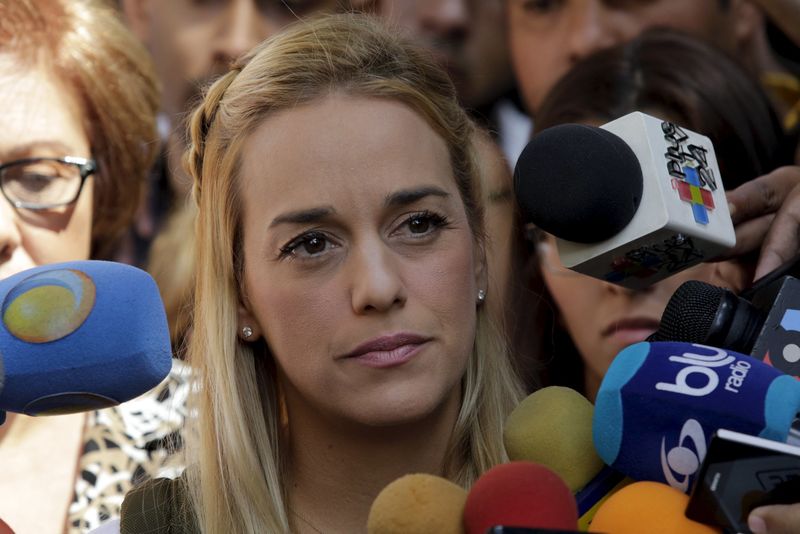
(631, 202)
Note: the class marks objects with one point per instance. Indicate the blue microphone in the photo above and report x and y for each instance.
(660, 403)
(80, 336)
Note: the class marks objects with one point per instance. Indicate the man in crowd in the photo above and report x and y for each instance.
(548, 37)
(468, 37)
(192, 43)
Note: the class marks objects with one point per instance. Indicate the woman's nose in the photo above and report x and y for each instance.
(377, 284)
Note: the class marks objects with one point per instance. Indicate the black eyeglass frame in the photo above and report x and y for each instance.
(86, 167)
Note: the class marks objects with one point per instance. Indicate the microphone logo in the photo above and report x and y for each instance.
(791, 325)
(691, 176)
(49, 305)
(682, 461)
(697, 364)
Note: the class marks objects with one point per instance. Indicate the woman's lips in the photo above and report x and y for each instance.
(388, 351)
(632, 330)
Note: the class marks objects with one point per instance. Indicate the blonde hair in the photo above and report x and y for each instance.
(237, 461)
(87, 47)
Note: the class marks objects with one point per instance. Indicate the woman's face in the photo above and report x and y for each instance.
(41, 118)
(604, 318)
(360, 268)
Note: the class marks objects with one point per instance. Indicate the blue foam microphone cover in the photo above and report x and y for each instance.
(659, 403)
(80, 335)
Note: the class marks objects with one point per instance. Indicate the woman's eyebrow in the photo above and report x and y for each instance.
(303, 216)
(398, 198)
(409, 196)
(48, 147)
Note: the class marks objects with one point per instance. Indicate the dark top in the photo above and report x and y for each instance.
(159, 506)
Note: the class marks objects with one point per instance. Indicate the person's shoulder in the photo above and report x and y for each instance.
(158, 506)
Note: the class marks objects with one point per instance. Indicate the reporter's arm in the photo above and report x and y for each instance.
(766, 214)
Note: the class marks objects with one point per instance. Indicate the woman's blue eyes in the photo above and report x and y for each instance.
(314, 243)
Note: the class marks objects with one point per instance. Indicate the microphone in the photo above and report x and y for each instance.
(659, 403)
(80, 336)
(520, 495)
(418, 504)
(699, 312)
(767, 327)
(740, 473)
(631, 202)
(647, 507)
(553, 427)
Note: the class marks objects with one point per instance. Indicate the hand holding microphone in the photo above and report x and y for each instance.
(656, 409)
(766, 212)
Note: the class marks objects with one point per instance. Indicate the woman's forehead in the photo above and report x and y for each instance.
(343, 144)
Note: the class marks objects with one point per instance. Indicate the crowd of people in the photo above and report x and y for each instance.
(323, 191)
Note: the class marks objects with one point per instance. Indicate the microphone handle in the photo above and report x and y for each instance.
(790, 268)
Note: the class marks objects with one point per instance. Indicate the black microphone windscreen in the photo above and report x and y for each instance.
(690, 312)
(702, 313)
(580, 183)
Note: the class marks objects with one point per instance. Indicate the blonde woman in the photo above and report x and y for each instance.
(340, 334)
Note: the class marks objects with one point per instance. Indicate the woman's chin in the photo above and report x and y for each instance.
(394, 416)
(398, 410)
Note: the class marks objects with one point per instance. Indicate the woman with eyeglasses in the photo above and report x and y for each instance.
(77, 137)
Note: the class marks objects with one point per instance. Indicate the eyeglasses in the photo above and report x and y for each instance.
(44, 183)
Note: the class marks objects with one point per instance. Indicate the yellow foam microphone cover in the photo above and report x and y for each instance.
(553, 427)
(649, 507)
(418, 504)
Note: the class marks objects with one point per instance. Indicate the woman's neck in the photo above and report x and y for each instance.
(336, 471)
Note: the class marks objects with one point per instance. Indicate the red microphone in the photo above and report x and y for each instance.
(523, 495)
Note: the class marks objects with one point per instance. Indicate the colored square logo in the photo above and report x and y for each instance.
(690, 190)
